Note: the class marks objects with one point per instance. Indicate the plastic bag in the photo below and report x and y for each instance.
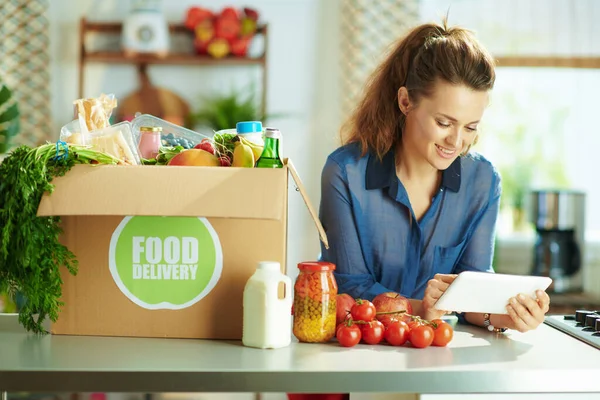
(116, 140)
(95, 113)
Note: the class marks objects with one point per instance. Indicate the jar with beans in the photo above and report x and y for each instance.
(315, 293)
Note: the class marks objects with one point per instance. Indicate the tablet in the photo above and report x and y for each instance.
(487, 292)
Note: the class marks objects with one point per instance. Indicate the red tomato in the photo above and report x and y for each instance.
(348, 336)
(372, 333)
(443, 333)
(386, 320)
(363, 310)
(421, 336)
(396, 333)
(412, 324)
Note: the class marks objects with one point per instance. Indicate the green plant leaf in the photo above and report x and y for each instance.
(223, 111)
(9, 119)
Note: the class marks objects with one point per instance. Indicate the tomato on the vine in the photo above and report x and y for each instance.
(372, 332)
(443, 332)
(348, 335)
(412, 324)
(396, 333)
(421, 336)
(363, 310)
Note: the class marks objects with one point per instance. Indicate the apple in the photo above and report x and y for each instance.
(204, 31)
(227, 28)
(196, 15)
(344, 303)
(391, 301)
(196, 158)
(206, 145)
(248, 27)
(239, 47)
(229, 12)
(218, 48)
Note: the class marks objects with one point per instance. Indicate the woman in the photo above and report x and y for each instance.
(405, 205)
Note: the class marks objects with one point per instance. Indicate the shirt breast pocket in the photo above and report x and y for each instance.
(446, 258)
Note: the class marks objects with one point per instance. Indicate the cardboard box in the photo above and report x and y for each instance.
(148, 265)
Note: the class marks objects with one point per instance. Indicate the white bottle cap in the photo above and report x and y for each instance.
(273, 266)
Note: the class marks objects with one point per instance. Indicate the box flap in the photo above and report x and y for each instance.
(168, 191)
(311, 210)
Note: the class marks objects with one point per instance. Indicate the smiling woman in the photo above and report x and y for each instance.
(405, 203)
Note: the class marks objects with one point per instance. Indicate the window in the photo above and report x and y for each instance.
(542, 128)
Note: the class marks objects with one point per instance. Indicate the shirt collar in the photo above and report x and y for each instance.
(382, 173)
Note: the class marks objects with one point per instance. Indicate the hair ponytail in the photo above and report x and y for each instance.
(427, 53)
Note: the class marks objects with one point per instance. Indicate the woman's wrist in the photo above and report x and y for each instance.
(417, 307)
(498, 322)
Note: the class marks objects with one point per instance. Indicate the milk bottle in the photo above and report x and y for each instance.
(267, 318)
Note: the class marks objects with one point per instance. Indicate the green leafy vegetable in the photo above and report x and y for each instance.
(165, 153)
(225, 143)
(30, 252)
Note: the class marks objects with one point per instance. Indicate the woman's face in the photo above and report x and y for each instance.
(440, 127)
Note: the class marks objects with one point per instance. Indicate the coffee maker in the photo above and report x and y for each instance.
(559, 220)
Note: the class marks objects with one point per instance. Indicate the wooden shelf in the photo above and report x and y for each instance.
(171, 59)
(548, 62)
(177, 57)
(116, 27)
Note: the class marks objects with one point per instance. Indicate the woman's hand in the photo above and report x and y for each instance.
(525, 313)
(435, 288)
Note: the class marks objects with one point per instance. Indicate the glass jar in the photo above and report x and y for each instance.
(315, 294)
(150, 141)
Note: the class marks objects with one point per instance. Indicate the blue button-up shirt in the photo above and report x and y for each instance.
(375, 241)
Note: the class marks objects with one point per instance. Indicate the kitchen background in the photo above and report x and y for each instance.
(541, 129)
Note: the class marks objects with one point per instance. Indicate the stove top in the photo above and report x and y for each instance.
(583, 325)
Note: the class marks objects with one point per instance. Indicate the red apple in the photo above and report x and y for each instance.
(230, 12)
(391, 301)
(227, 28)
(344, 304)
(196, 15)
(239, 47)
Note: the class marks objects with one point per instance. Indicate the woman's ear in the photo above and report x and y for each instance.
(403, 100)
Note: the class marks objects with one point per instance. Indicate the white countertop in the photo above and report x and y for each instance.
(476, 361)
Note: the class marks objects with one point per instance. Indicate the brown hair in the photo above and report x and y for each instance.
(429, 52)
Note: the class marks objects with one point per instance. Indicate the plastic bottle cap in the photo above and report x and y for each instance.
(248, 127)
(272, 133)
(269, 266)
(314, 266)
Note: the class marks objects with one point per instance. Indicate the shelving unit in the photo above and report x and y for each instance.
(173, 58)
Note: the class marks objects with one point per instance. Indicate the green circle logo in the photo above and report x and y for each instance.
(165, 262)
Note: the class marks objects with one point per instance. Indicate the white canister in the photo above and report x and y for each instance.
(267, 318)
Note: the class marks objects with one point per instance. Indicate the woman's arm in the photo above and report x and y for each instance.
(479, 252)
(524, 313)
(352, 274)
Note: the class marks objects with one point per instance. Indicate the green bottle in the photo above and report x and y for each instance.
(270, 154)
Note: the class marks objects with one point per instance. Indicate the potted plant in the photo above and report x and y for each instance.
(223, 111)
(9, 119)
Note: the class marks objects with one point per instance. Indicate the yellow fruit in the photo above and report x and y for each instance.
(256, 149)
(243, 156)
